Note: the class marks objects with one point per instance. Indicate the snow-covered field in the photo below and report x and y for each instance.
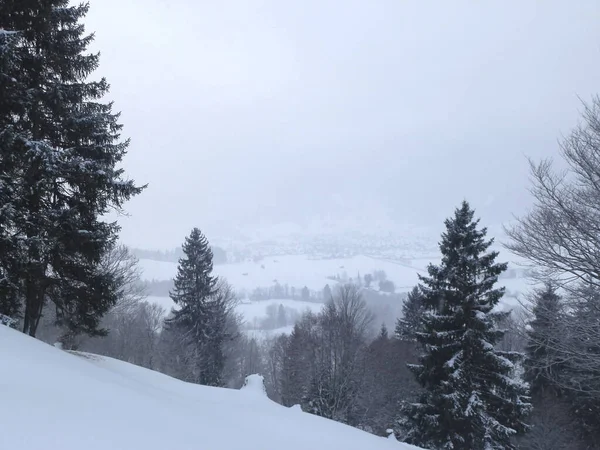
(293, 270)
(254, 312)
(301, 270)
(55, 400)
(263, 335)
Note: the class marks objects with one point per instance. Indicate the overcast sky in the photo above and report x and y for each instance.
(258, 112)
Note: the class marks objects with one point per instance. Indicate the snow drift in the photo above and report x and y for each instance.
(52, 399)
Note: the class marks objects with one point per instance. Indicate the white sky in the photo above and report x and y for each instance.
(259, 112)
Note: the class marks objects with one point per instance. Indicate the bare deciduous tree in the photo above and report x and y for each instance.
(561, 234)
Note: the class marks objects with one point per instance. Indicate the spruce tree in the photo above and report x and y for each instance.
(12, 105)
(66, 150)
(412, 311)
(582, 359)
(471, 399)
(543, 362)
(201, 314)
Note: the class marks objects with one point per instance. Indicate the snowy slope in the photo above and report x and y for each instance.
(59, 401)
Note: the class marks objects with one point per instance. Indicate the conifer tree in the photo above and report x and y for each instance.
(66, 148)
(12, 104)
(201, 313)
(409, 324)
(543, 360)
(305, 294)
(580, 351)
(327, 294)
(472, 399)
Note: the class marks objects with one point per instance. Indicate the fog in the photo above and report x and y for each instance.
(342, 114)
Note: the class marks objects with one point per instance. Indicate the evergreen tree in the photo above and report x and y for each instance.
(281, 316)
(383, 332)
(200, 318)
(472, 399)
(543, 361)
(554, 417)
(12, 104)
(327, 294)
(66, 149)
(305, 294)
(412, 311)
(581, 356)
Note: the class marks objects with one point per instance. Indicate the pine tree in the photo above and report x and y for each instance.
(200, 318)
(67, 149)
(472, 399)
(543, 361)
(412, 311)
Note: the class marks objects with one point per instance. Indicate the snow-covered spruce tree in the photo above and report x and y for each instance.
(12, 105)
(200, 319)
(68, 151)
(412, 310)
(472, 398)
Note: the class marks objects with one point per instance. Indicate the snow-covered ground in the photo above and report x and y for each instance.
(263, 335)
(301, 270)
(293, 270)
(253, 311)
(55, 400)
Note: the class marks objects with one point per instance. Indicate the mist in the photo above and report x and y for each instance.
(351, 115)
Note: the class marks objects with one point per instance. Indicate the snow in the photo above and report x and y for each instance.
(294, 270)
(255, 385)
(452, 361)
(264, 335)
(302, 270)
(86, 401)
(253, 311)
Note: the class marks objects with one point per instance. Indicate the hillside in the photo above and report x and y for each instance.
(56, 400)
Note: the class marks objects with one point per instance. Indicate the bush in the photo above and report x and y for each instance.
(387, 286)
